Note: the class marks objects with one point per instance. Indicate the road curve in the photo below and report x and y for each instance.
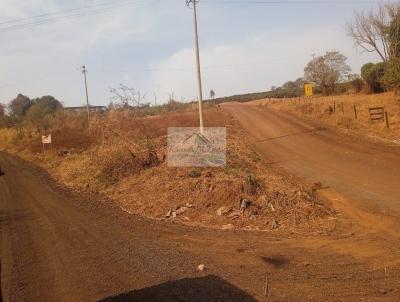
(365, 172)
(55, 247)
(61, 246)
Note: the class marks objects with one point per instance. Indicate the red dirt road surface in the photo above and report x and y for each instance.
(366, 173)
(57, 245)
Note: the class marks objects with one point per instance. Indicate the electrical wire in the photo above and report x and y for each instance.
(64, 14)
(203, 67)
(50, 75)
(283, 2)
(59, 12)
(101, 7)
(172, 69)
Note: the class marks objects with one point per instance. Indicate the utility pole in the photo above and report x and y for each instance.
(199, 85)
(84, 71)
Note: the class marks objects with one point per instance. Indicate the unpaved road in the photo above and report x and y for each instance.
(59, 246)
(366, 173)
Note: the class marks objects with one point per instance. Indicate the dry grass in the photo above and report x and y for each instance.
(124, 157)
(320, 108)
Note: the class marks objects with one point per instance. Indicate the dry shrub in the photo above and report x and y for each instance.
(252, 185)
(8, 136)
(117, 160)
(124, 159)
(345, 122)
(66, 139)
(306, 108)
(295, 203)
(322, 108)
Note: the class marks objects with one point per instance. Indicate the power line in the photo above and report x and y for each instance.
(60, 15)
(94, 9)
(50, 75)
(60, 12)
(55, 18)
(203, 67)
(284, 2)
(172, 69)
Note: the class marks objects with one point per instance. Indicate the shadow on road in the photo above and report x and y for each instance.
(210, 288)
(318, 129)
(275, 261)
(10, 217)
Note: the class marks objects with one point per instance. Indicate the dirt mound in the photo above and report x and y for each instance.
(127, 162)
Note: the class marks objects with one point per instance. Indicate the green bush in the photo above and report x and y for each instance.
(194, 173)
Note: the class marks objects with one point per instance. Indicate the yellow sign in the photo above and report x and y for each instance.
(308, 90)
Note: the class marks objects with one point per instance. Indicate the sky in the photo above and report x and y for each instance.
(245, 46)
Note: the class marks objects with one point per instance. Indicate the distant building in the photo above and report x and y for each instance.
(91, 108)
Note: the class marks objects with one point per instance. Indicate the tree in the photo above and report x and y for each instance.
(392, 72)
(5, 120)
(327, 70)
(391, 77)
(2, 110)
(212, 94)
(19, 106)
(128, 98)
(299, 83)
(42, 108)
(393, 32)
(373, 76)
(370, 30)
(356, 82)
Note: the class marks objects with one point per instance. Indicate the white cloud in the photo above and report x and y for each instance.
(35, 52)
(128, 37)
(11, 10)
(274, 57)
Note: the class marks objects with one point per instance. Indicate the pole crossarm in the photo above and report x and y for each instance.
(190, 2)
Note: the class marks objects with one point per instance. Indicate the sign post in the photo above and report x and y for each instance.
(308, 90)
(46, 139)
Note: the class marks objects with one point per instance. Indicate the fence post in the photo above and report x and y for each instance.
(355, 111)
(342, 108)
(334, 106)
(387, 119)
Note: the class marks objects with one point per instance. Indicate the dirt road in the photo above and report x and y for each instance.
(57, 246)
(366, 173)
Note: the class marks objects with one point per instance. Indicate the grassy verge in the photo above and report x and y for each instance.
(348, 112)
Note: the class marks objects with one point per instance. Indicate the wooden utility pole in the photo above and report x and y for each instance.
(198, 69)
(84, 71)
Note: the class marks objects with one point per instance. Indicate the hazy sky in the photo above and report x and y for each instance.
(246, 46)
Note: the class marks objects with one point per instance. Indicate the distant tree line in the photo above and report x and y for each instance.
(377, 30)
(36, 112)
